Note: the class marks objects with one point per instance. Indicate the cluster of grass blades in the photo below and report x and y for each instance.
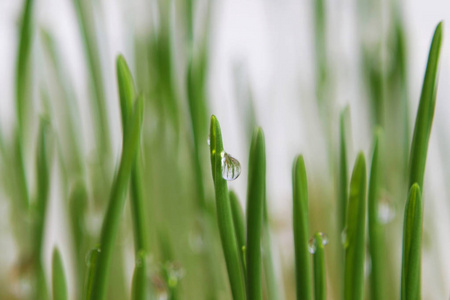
(156, 202)
(243, 257)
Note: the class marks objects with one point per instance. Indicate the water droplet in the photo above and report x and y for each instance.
(231, 167)
(209, 140)
(174, 273)
(312, 244)
(386, 213)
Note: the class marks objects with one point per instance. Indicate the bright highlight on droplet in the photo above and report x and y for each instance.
(312, 244)
(209, 140)
(231, 167)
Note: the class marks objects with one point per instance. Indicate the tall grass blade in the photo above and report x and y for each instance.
(116, 203)
(255, 203)
(59, 284)
(412, 242)
(320, 283)
(376, 245)
(425, 112)
(224, 215)
(301, 230)
(355, 231)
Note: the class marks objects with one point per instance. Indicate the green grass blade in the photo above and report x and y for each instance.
(343, 173)
(91, 262)
(354, 243)
(127, 92)
(59, 284)
(376, 245)
(43, 183)
(320, 283)
(116, 203)
(23, 67)
(239, 224)
(43, 167)
(270, 277)
(255, 202)
(425, 112)
(85, 16)
(139, 284)
(127, 98)
(301, 231)
(412, 241)
(224, 214)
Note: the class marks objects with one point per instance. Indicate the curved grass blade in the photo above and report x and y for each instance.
(116, 203)
(376, 245)
(127, 97)
(320, 283)
(412, 241)
(255, 202)
(59, 284)
(301, 230)
(239, 225)
(425, 112)
(354, 243)
(224, 215)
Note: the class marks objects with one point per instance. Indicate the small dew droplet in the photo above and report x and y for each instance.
(324, 238)
(231, 167)
(209, 140)
(312, 244)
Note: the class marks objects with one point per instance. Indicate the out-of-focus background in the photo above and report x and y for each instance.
(264, 58)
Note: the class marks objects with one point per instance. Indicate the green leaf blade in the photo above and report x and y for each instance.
(255, 204)
(224, 215)
(425, 112)
(116, 203)
(412, 242)
(355, 233)
(320, 283)
(301, 230)
(59, 284)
